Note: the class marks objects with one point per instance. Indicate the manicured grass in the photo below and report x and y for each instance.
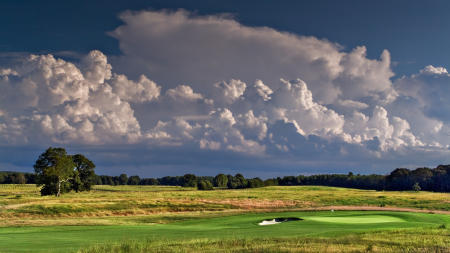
(323, 224)
(362, 219)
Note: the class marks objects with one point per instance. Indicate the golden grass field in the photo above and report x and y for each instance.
(22, 204)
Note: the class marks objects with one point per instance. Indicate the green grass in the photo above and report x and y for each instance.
(324, 224)
(363, 219)
(169, 218)
(402, 240)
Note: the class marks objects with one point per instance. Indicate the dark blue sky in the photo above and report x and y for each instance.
(415, 32)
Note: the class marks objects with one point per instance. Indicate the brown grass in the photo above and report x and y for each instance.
(22, 204)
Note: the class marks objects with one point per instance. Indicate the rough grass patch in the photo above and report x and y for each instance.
(50, 210)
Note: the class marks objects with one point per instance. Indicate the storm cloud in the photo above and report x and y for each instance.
(207, 94)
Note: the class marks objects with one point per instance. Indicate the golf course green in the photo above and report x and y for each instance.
(314, 224)
(356, 219)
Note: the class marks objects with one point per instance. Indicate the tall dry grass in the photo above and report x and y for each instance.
(411, 240)
(22, 204)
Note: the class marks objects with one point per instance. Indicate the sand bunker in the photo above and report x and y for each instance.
(277, 221)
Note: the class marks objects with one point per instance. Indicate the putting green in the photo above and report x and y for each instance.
(356, 219)
(243, 226)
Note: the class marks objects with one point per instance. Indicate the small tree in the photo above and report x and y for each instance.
(54, 168)
(123, 179)
(255, 183)
(416, 187)
(205, 185)
(134, 180)
(189, 180)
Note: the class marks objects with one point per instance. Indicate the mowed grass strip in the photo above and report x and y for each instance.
(235, 228)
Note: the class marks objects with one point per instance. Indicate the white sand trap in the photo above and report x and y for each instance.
(277, 221)
(268, 222)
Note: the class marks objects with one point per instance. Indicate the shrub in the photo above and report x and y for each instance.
(205, 185)
(237, 182)
(416, 187)
(255, 183)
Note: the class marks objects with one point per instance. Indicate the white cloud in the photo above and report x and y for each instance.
(180, 47)
(423, 103)
(95, 67)
(293, 101)
(52, 101)
(356, 105)
(226, 93)
(431, 70)
(263, 90)
(60, 102)
(143, 90)
(255, 126)
(183, 92)
(219, 90)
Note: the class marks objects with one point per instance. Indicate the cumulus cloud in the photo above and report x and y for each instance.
(352, 104)
(205, 50)
(143, 90)
(183, 92)
(423, 103)
(263, 90)
(431, 70)
(50, 100)
(209, 85)
(225, 93)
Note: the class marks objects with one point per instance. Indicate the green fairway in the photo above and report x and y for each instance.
(324, 224)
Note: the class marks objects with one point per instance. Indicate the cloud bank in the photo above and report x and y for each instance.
(208, 92)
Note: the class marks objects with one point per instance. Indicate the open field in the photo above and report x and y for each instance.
(23, 204)
(158, 218)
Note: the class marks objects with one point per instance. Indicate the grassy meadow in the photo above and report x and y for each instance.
(166, 219)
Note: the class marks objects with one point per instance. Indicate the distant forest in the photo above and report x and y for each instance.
(426, 179)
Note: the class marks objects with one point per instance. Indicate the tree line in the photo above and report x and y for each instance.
(437, 179)
(237, 181)
(401, 179)
(12, 177)
(58, 172)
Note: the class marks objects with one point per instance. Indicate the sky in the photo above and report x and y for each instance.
(158, 88)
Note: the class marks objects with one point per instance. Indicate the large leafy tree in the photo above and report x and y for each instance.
(220, 180)
(84, 175)
(57, 172)
(189, 180)
(134, 180)
(54, 168)
(237, 182)
(123, 179)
